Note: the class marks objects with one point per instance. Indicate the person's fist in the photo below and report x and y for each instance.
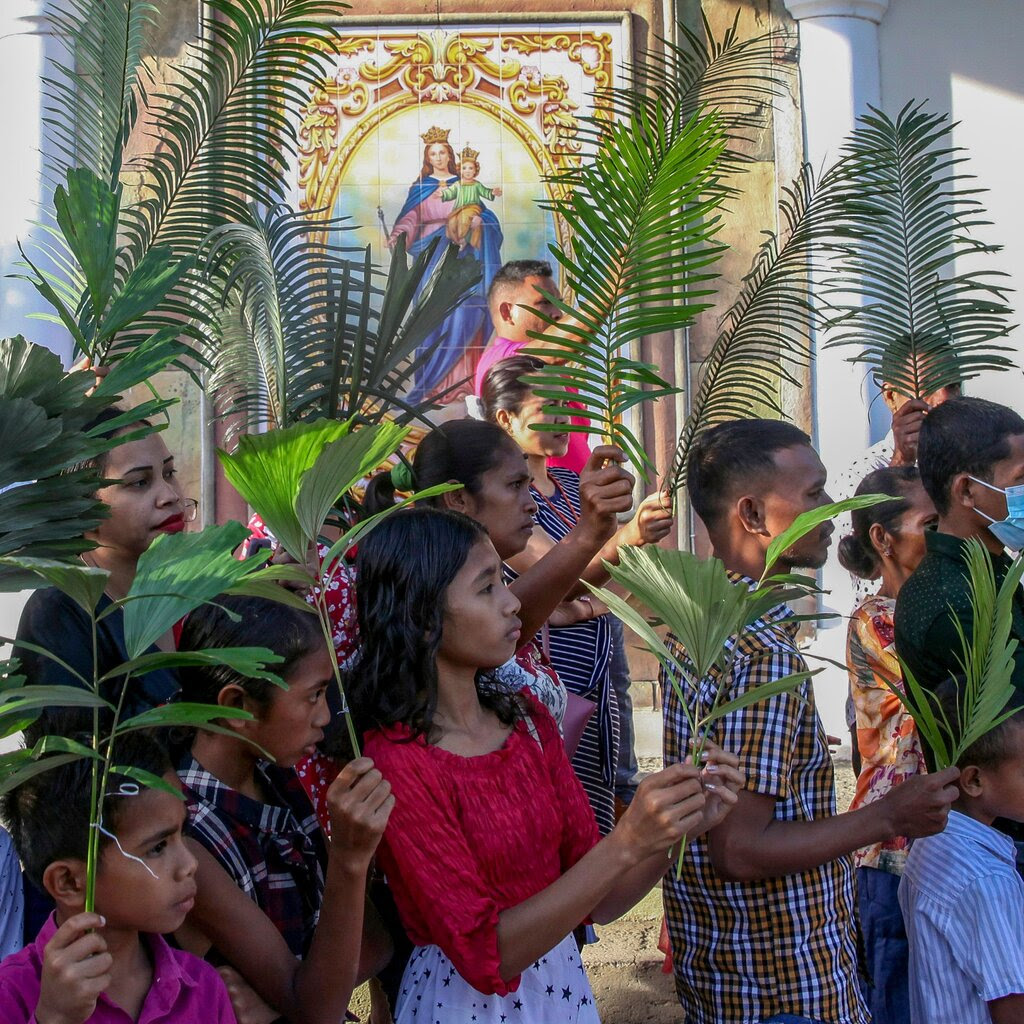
(359, 801)
(906, 431)
(606, 491)
(76, 969)
(919, 806)
(667, 806)
(653, 521)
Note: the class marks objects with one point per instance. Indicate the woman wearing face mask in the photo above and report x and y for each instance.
(145, 501)
(887, 542)
(581, 651)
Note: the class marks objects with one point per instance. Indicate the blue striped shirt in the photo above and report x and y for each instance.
(963, 903)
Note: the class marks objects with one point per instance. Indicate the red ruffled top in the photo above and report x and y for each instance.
(470, 837)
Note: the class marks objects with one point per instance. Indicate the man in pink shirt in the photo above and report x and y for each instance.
(111, 966)
(519, 288)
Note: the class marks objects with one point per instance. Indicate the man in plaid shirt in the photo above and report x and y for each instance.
(762, 920)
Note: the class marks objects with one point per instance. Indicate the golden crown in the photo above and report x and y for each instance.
(469, 154)
(435, 134)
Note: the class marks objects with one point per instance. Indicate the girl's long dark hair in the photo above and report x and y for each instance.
(237, 621)
(405, 567)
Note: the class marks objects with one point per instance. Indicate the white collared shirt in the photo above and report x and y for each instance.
(963, 904)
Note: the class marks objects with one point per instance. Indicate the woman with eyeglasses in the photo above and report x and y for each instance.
(145, 500)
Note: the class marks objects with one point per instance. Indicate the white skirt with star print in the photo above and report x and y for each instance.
(554, 990)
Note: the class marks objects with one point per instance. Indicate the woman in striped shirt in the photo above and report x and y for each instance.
(580, 651)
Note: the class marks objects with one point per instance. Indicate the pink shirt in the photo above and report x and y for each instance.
(501, 348)
(185, 989)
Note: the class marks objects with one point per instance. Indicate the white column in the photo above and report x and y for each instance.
(839, 75)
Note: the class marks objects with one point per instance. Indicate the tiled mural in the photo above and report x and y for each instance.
(449, 133)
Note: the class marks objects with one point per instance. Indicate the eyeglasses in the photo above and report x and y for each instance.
(190, 510)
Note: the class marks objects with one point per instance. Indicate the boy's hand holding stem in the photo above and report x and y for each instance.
(76, 970)
(360, 802)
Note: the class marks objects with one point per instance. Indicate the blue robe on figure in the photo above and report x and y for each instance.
(470, 324)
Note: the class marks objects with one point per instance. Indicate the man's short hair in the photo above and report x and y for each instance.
(48, 815)
(995, 746)
(728, 455)
(513, 274)
(963, 435)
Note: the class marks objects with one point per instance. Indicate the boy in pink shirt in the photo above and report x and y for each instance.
(112, 966)
(520, 287)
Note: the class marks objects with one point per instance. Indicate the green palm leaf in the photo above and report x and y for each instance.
(176, 574)
(906, 218)
(92, 95)
(309, 331)
(986, 661)
(267, 470)
(736, 77)
(768, 331)
(225, 119)
(46, 503)
(643, 231)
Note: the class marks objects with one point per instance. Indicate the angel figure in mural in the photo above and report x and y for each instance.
(425, 217)
(465, 222)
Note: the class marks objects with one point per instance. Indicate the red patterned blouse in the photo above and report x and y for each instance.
(470, 837)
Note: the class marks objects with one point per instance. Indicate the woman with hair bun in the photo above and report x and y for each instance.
(887, 542)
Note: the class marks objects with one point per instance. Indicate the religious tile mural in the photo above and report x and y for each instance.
(449, 132)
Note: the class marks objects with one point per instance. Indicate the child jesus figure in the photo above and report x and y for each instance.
(464, 226)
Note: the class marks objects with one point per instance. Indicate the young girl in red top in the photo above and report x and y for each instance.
(492, 851)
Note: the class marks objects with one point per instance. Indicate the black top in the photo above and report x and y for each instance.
(56, 623)
(933, 600)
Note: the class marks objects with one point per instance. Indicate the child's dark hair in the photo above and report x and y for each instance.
(405, 567)
(459, 450)
(503, 387)
(996, 745)
(856, 552)
(48, 815)
(963, 435)
(513, 274)
(244, 622)
(730, 452)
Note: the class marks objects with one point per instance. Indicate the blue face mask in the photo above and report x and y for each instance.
(1009, 531)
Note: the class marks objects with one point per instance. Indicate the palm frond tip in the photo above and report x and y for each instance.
(905, 223)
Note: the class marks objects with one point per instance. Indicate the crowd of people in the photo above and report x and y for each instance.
(495, 815)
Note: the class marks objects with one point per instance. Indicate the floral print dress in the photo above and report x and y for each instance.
(890, 748)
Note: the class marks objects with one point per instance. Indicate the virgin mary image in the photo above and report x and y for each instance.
(457, 344)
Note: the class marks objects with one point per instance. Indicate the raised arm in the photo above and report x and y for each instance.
(652, 523)
(605, 492)
(316, 990)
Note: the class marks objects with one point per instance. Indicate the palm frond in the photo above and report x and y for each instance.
(642, 217)
(736, 77)
(228, 124)
(768, 331)
(987, 665)
(906, 218)
(48, 503)
(92, 96)
(225, 120)
(318, 331)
